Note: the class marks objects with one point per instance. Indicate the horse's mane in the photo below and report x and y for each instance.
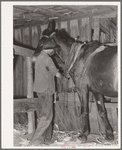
(63, 34)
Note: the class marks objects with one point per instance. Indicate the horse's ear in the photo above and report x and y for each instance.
(51, 26)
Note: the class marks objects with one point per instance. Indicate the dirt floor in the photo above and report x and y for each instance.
(63, 140)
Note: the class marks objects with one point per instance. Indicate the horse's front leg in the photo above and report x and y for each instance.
(103, 114)
(83, 96)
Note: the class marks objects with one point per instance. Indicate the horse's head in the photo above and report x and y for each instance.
(62, 33)
(44, 43)
(51, 30)
(60, 37)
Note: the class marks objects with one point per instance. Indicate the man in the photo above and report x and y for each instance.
(44, 86)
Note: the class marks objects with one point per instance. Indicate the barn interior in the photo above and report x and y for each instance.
(85, 22)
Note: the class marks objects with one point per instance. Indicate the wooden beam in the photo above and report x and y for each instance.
(66, 18)
(30, 104)
(25, 105)
(19, 50)
(109, 15)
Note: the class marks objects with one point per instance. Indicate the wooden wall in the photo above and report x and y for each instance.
(87, 29)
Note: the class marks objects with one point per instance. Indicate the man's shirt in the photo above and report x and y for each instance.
(45, 70)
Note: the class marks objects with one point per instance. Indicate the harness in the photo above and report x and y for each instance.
(74, 52)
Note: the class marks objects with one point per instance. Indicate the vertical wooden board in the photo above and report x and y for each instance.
(73, 111)
(58, 25)
(74, 32)
(16, 86)
(43, 27)
(63, 25)
(39, 32)
(102, 37)
(80, 28)
(18, 37)
(114, 119)
(31, 117)
(89, 29)
(26, 36)
(65, 86)
(24, 77)
(83, 30)
(68, 27)
(34, 36)
(60, 111)
(109, 114)
(18, 78)
(33, 42)
(17, 74)
(93, 118)
(26, 41)
(96, 29)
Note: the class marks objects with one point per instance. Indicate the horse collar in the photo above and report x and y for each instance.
(46, 36)
(52, 34)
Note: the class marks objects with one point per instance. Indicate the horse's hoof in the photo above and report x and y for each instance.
(109, 137)
(82, 138)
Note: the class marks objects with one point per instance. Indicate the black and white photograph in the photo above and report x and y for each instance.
(61, 75)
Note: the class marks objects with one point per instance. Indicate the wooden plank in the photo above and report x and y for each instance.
(24, 79)
(26, 41)
(111, 105)
(20, 76)
(17, 78)
(58, 25)
(68, 27)
(109, 15)
(17, 69)
(34, 37)
(96, 29)
(93, 118)
(73, 117)
(61, 116)
(74, 28)
(25, 105)
(39, 32)
(18, 37)
(80, 27)
(19, 50)
(31, 116)
(70, 101)
(83, 29)
(89, 29)
(26, 36)
(63, 25)
(115, 119)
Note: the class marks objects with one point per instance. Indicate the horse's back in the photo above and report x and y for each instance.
(102, 72)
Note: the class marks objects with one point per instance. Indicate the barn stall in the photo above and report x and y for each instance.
(84, 22)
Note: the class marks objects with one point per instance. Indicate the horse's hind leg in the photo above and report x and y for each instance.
(83, 96)
(103, 114)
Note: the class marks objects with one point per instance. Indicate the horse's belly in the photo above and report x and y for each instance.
(103, 77)
(104, 88)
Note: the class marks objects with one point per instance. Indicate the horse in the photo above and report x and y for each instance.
(93, 68)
